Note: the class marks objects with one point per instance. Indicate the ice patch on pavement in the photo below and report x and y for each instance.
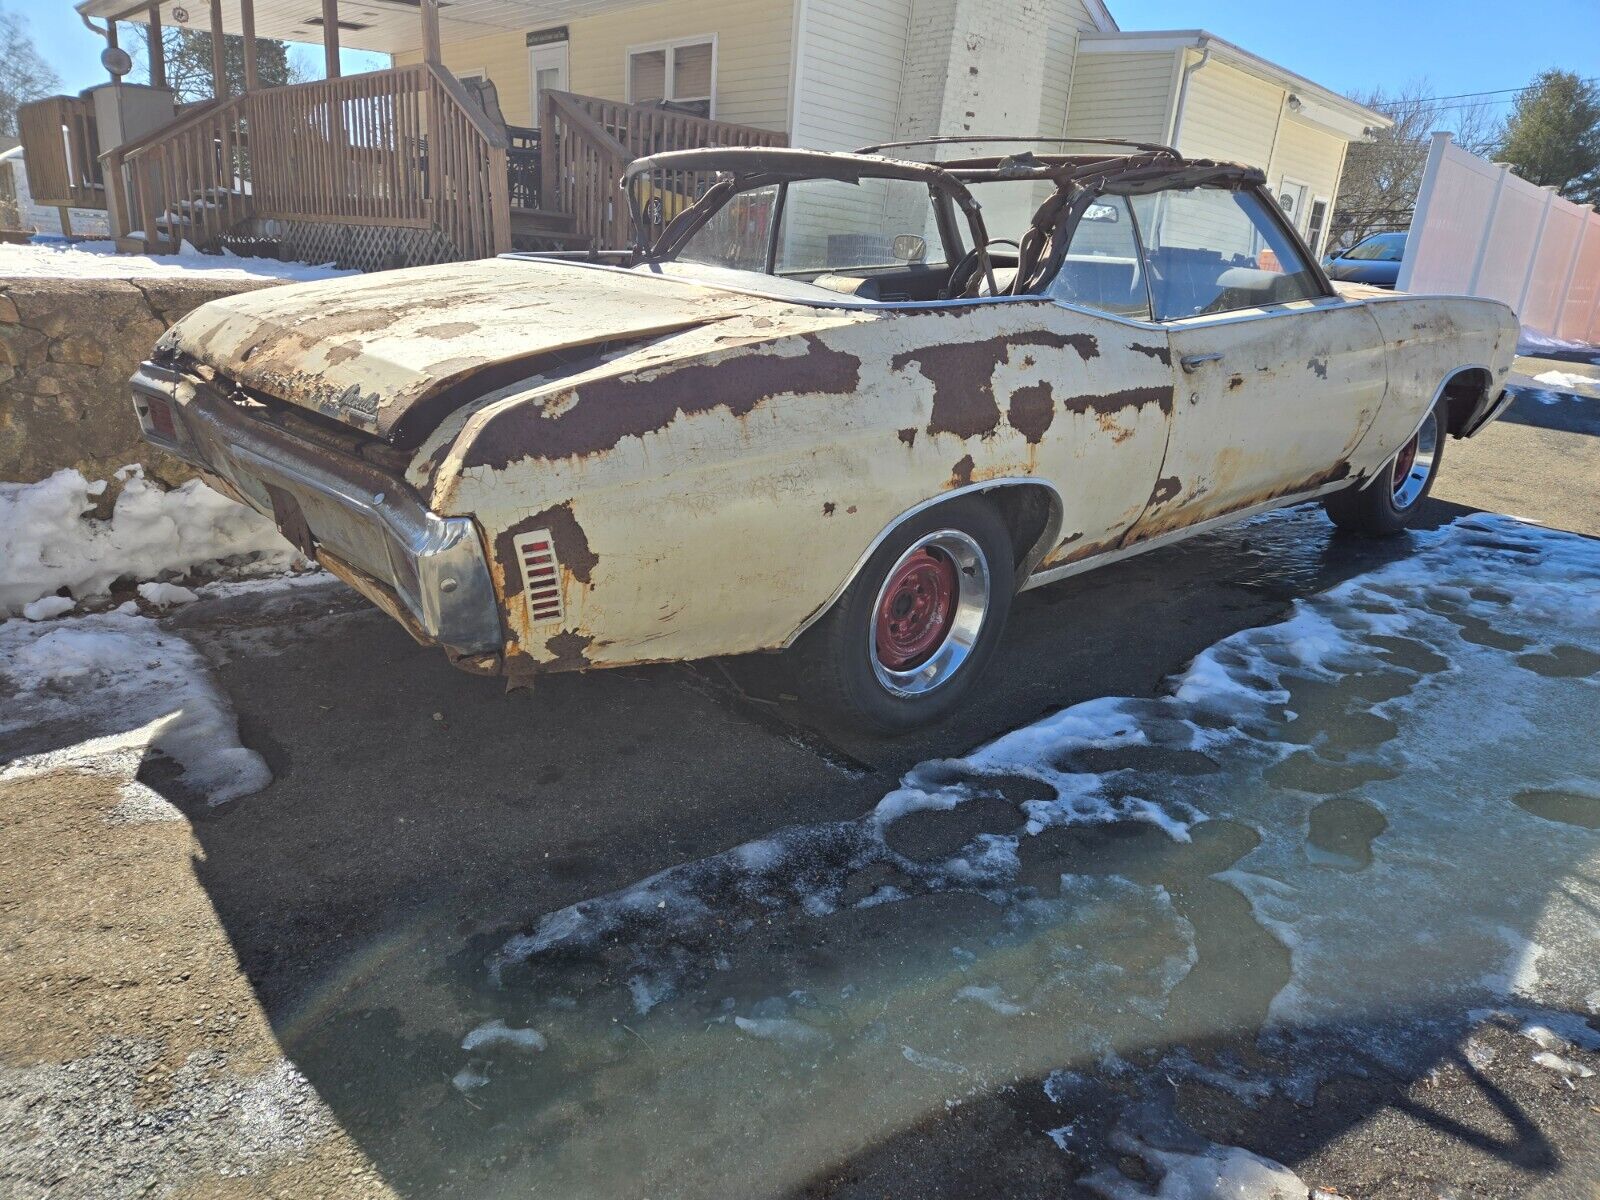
(1154, 886)
(498, 1033)
(123, 688)
(50, 541)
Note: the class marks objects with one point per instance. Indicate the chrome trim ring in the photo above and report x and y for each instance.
(973, 584)
(1408, 478)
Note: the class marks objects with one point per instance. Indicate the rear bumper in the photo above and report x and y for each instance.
(365, 524)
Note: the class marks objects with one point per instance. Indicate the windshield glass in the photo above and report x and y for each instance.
(812, 226)
(1384, 247)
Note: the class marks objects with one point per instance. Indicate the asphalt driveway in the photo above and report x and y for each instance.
(438, 956)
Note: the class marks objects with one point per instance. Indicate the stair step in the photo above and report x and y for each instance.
(542, 218)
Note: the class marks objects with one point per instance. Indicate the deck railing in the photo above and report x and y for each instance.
(402, 148)
(587, 142)
(62, 151)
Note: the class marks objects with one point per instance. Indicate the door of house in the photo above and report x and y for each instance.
(547, 72)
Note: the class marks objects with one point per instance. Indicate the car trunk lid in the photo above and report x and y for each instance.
(372, 350)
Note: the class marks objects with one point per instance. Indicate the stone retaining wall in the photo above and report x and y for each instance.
(67, 348)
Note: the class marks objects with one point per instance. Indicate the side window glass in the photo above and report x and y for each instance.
(1211, 250)
(1102, 268)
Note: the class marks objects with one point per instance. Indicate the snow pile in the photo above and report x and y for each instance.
(1533, 344)
(1189, 1166)
(100, 260)
(1566, 380)
(47, 543)
(126, 690)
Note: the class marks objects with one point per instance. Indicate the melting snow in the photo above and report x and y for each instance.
(1567, 380)
(99, 260)
(48, 542)
(1337, 792)
(497, 1033)
(128, 688)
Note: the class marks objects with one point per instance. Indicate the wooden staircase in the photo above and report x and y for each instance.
(546, 229)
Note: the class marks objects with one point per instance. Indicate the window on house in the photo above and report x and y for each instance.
(1318, 225)
(680, 74)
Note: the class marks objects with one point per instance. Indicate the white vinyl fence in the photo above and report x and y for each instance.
(1479, 230)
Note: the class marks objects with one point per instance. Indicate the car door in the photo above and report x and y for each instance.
(1113, 385)
(1277, 379)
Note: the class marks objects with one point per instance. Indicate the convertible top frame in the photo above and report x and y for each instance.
(1142, 167)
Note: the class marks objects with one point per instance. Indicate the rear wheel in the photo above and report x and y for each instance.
(1387, 504)
(918, 625)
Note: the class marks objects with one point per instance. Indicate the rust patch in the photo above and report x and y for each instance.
(827, 508)
(598, 415)
(1186, 515)
(909, 436)
(1031, 410)
(1115, 402)
(449, 329)
(1236, 382)
(962, 374)
(571, 546)
(1165, 489)
(1318, 367)
(961, 473)
(343, 352)
(1162, 354)
(570, 650)
(851, 510)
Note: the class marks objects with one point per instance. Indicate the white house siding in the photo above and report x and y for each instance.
(847, 81)
(1229, 115)
(848, 71)
(1122, 96)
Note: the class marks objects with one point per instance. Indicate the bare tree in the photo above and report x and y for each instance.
(24, 76)
(1383, 173)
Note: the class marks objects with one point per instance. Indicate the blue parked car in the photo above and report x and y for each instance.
(1374, 260)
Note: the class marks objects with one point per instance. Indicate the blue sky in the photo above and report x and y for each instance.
(1456, 45)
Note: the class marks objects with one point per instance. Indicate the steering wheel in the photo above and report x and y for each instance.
(966, 271)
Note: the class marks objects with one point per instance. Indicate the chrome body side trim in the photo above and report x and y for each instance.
(1067, 570)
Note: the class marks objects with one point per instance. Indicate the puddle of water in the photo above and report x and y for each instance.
(1309, 833)
(1569, 808)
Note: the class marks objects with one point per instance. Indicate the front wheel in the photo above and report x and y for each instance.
(1389, 501)
(918, 625)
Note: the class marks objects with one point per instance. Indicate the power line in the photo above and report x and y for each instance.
(1418, 101)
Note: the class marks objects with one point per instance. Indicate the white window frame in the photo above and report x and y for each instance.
(671, 46)
(1327, 220)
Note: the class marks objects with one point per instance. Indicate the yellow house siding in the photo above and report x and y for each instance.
(1121, 96)
(753, 55)
(1229, 115)
(1070, 19)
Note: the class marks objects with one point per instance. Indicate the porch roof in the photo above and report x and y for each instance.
(387, 26)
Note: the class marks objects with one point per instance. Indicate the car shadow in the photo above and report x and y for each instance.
(419, 815)
(1570, 413)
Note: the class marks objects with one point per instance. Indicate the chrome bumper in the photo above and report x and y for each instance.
(330, 502)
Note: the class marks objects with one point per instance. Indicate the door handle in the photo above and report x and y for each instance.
(1193, 362)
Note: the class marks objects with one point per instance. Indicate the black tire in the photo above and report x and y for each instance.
(839, 658)
(1385, 506)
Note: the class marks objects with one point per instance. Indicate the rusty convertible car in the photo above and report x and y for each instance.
(846, 405)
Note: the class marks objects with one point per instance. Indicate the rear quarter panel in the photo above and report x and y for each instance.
(1429, 339)
(711, 494)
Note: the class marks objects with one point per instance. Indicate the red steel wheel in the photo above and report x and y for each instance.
(917, 608)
